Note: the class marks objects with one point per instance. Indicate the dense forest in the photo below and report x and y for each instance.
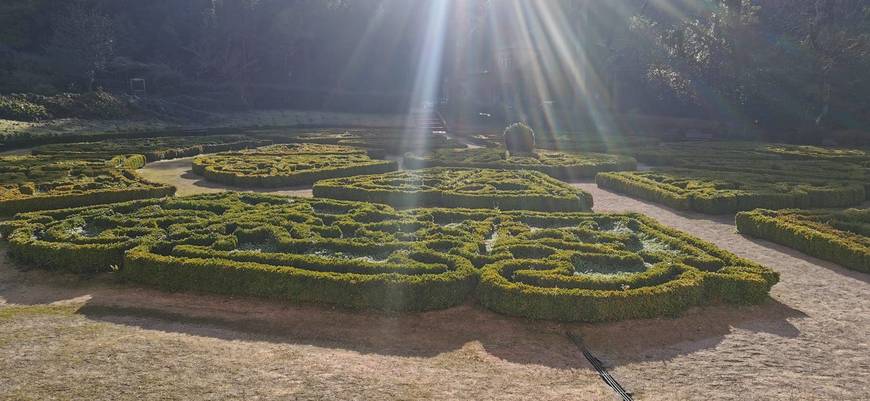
(777, 63)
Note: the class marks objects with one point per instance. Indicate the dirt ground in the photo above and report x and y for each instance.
(64, 337)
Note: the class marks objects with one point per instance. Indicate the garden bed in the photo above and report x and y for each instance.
(560, 266)
(384, 141)
(468, 188)
(713, 192)
(29, 183)
(158, 148)
(842, 237)
(288, 165)
(556, 164)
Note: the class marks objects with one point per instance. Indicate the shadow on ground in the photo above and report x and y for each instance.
(426, 334)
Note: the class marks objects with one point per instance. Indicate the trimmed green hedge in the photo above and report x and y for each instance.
(819, 153)
(561, 266)
(842, 237)
(714, 192)
(380, 142)
(468, 188)
(156, 148)
(288, 165)
(351, 254)
(560, 165)
(626, 266)
(29, 183)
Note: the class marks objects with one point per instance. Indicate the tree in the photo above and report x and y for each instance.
(82, 44)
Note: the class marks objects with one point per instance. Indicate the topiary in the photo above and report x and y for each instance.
(519, 138)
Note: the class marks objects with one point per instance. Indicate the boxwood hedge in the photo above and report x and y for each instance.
(157, 148)
(469, 188)
(382, 141)
(842, 237)
(30, 183)
(718, 192)
(562, 266)
(288, 165)
(837, 164)
(560, 165)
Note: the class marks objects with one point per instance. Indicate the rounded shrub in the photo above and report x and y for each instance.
(519, 139)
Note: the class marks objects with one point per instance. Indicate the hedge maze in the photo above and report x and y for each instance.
(713, 192)
(842, 237)
(30, 183)
(560, 165)
(468, 188)
(157, 148)
(726, 177)
(288, 165)
(561, 266)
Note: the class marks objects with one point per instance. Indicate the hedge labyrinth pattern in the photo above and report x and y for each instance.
(469, 188)
(563, 266)
(720, 192)
(288, 165)
(560, 165)
(842, 237)
(30, 183)
(156, 148)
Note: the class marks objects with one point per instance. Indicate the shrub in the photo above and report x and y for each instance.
(30, 183)
(288, 165)
(567, 166)
(714, 192)
(468, 188)
(19, 109)
(519, 139)
(842, 237)
(378, 142)
(560, 266)
(90, 105)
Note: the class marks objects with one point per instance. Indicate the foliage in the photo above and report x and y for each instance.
(796, 161)
(82, 44)
(30, 183)
(154, 148)
(519, 139)
(562, 165)
(378, 142)
(468, 188)
(842, 237)
(19, 109)
(563, 266)
(288, 165)
(719, 192)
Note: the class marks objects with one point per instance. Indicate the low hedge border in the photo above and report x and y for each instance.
(729, 192)
(558, 266)
(467, 188)
(154, 149)
(288, 165)
(45, 182)
(378, 142)
(842, 237)
(561, 165)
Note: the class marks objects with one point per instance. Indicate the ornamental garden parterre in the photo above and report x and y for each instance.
(469, 224)
(561, 266)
